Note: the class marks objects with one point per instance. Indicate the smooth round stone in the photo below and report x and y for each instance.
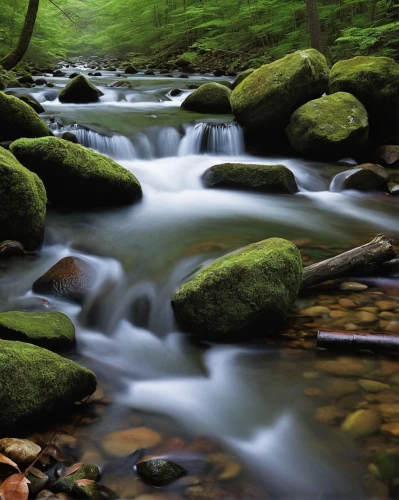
(330, 415)
(373, 386)
(347, 303)
(338, 314)
(364, 317)
(343, 366)
(353, 286)
(315, 311)
(392, 327)
(19, 450)
(392, 428)
(123, 443)
(361, 423)
(386, 305)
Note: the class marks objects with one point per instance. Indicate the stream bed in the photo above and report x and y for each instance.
(258, 420)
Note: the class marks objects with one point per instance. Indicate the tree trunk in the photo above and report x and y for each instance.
(13, 58)
(314, 25)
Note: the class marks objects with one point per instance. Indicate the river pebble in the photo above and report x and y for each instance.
(123, 443)
(353, 286)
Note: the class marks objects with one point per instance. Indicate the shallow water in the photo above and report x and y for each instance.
(249, 399)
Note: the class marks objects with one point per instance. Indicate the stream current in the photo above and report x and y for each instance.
(248, 398)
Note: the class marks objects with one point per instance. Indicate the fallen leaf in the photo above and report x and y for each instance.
(15, 487)
(53, 451)
(7, 461)
(37, 473)
(71, 470)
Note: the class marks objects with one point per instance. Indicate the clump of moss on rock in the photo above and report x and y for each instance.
(18, 119)
(47, 383)
(30, 101)
(76, 176)
(266, 178)
(242, 295)
(331, 127)
(241, 77)
(80, 91)
(267, 97)
(209, 98)
(8, 79)
(51, 329)
(23, 203)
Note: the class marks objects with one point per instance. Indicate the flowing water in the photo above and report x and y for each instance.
(249, 399)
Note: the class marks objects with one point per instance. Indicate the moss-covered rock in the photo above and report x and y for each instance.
(130, 70)
(36, 382)
(30, 101)
(8, 79)
(80, 91)
(374, 81)
(241, 295)
(160, 472)
(76, 176)
(183, 61)
(365, 177)
(52, 330)
(331, 126)
(18, 119)
(266, 178)
(23, 203)
(85, 471)
(209, 98)
(241, 77)
(267, 97)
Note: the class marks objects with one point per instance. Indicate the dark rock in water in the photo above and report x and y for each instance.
(23, 202)
(26, 79)
(37, 481)
(110, 68)
(40, 81)
(50, 85)
(118, 74)
(365, 177)
(75, 176)
(69, 136)
(80, 91)
(181, 76)
(50, 95)
(97, 73)
(73, 75)
(123, 83)
(265, 178)
(52, 330)
(219, 72)
(175, 92)
(164, 71)
(90, 74)
(159, 472)
(347, 162)
(48, 383)
(193, 87)
(389, 154)
(59, 73)
(393, 188)
(329, 127)
(71, 278)
(30, 101)
(183, 61)
(130, 70)
(85, 471)
(188, 69)
(11, 248)
(242, 295)
(149, 72)
(209, 98)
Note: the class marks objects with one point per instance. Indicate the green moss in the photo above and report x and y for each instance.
(367, 177)
(17, 119)
(36, 382)
(332, 126)
(76, 176)
(160, 472)
(86, 471)
(373, 80)
(30, 101)
(209, 98)
(52, 330)
(79, 90)
(23, 203)
(242, 295)
(267, 178)
(8, 79)
(268, 96)
(241, 77)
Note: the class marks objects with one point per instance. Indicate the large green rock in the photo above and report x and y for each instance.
(22, 203)
(79, 91)
(209, 98)
(241, 77)
(18, 119)
(374, 81)
(85, 471)
(52, 330)
(8, 79)
(267, 97)
(266, 178)
(331, 126)
(241, 295)
(36, 382)
(76, 176)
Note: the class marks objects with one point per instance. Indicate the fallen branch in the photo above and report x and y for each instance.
(376, 251)
(331, 339)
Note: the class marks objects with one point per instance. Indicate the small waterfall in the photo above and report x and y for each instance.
(223, 138)
(117, 146)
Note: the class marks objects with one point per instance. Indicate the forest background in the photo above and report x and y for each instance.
(241, 32)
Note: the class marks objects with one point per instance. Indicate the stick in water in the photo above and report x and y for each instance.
(335, 339)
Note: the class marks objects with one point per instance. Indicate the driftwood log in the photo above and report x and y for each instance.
(379, 342)
(376, 251)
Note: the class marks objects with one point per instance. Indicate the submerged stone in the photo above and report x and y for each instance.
(209, 98)
(85, 471)
(365, 177)
(160, 472)
(242, 295)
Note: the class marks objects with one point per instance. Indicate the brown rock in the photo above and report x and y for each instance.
(361, 423)
(20, 451)
(315, 311)
(364, 317)
(386, 305)
(392, 428)
(373, 386)
(389, 412)
(352, 285)
(123, 443)
(330, 415)
(347, 303)
(343, 366)
(339, 387)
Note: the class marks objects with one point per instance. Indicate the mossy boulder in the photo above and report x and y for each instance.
(36, 383)
(209, 98)
(52, 330)
(374, 81)
(18, 119)
(76, 176)
(23, 203)
(159, 472)
(241, 77)
(8, 79)
(365, 177)
(80, 91)
(130, 70)
(183, 61)
(268, 97)
(30, 101)
(85, 471)
(241, 295)
(331, 126)
(266, 178)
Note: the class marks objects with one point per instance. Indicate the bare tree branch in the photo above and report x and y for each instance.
(59, 8)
